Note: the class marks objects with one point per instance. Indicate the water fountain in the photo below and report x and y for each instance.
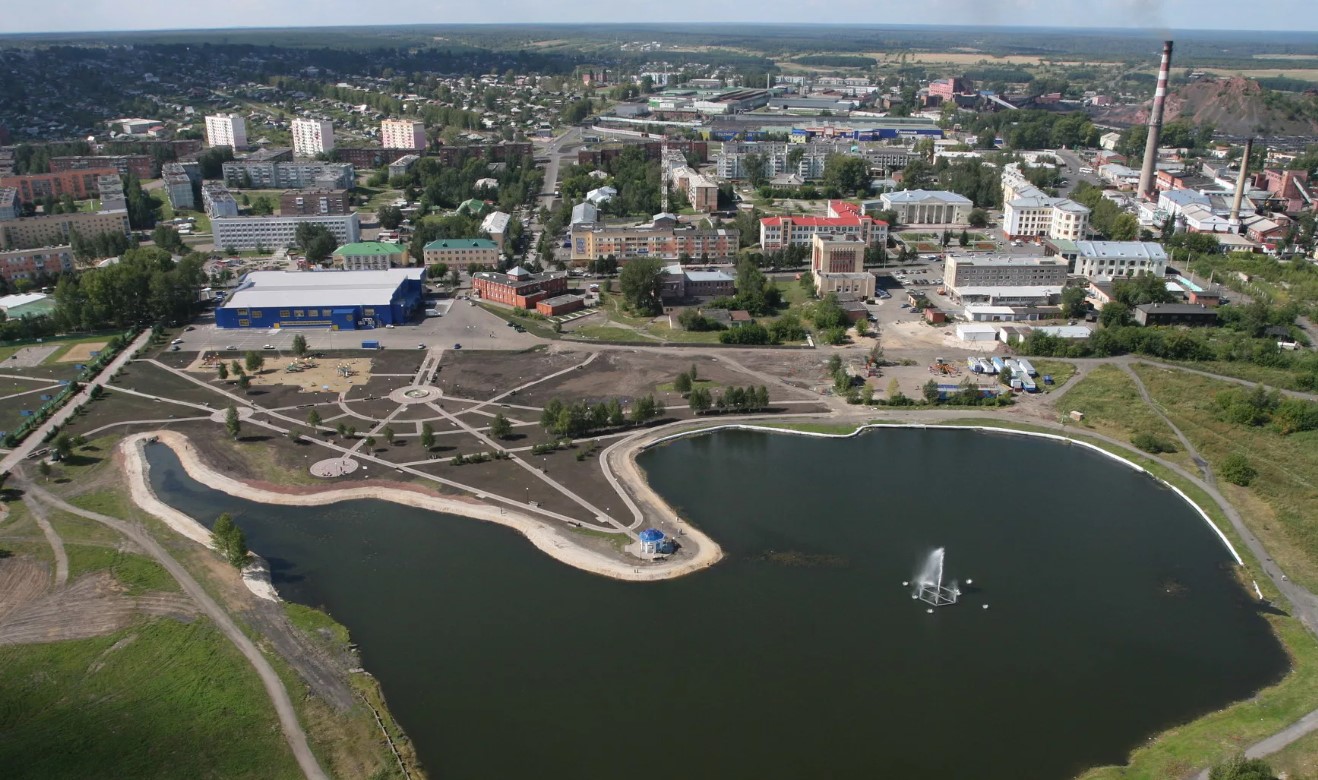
(929, 586)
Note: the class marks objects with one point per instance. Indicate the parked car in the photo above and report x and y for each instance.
(268, 346)
(457, 346)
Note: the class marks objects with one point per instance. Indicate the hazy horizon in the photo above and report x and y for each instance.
(1154, 16)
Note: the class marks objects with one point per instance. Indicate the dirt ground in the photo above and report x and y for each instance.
(316, 375)
(81, 353)
(484, 374)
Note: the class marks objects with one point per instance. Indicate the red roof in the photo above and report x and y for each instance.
(817, 221)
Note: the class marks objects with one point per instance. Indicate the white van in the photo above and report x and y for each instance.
(1086, 169)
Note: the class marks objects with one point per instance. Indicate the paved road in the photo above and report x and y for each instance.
(37, 437)
(293, 733)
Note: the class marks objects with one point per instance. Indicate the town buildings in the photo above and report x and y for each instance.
(295, 203)
(178, 187)
(269, 233)
(519, 287)
(1004, 271)
(1029, 212)
(837, 262)
(462, 252)
(701, 191)
(35, 263)
(664, 239)
(58, 229)
(342, 300)
(9, 205)
(928, 207)
(371, 256)
(312, 137)
(110, 188)
(681, 283)
(495, 225)
(80, 185)
(226, 130)
(1106, 260)
(402, 165)
(1174, 314)
(142, 166)
(282, 175)
(217, 201)
(403, 134)
(843, 219)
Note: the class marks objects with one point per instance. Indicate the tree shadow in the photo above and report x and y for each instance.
(254, 439)
(281, 571)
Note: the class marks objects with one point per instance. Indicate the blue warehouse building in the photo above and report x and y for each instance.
(339, 300)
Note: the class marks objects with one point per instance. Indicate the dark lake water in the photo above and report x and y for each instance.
(1112, 614)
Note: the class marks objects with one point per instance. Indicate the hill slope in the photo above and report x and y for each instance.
(1234, 106)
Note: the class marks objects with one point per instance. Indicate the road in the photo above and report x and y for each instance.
(567, 142)
(293, 733)
(37, 437)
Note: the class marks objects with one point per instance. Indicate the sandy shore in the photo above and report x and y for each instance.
(555, 542)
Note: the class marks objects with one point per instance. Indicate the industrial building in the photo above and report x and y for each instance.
(928, 207)
(371, 256)
(462, 252)
(339, 300)
(269, 233)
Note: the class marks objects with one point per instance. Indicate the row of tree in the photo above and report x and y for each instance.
(734, 399)
(581, 418)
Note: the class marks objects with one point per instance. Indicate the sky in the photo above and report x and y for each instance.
(18, 16)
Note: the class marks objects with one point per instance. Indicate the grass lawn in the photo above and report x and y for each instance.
(794, 295)
(1273, 377)
(611, 304)
(1060, 371)
(1112, 405)
(812, 427)
(610, 333)
(667, 387)
(678, 334)
(160, 699)
(533, 325)
(139, 573)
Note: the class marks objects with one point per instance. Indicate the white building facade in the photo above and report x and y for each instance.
(312, 137)
(270, 233)
(403, 134)
(226, 130)
(1107, 260)
(928, 207)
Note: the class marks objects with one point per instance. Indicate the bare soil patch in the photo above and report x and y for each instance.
(92, 605)
(484, 374)
(81, 353)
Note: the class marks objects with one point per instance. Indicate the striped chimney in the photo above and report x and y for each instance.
(1148, 173)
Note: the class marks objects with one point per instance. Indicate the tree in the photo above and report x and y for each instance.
(63, 445)
(616, 417)
(699, 401)
(683, 383)
(641, 281)
(299, 345)
(294, 435)
(230, 541)
(963, 239)
(390, 217)
(388, 433)
(978, 218)
(244, 382)
(427, 436)
(1145, 288)
(1074, 302)
(754, 167)
(930, 391)
(1126, 227)
(861, 327)
(761, 398)
(316, 241)
(253, 361)
(846, 173)
(500, 427)
(236, 368)
(1237, 470)
(369, 441)
(231, 423)
(168, 239)
(1115, 314)
(1241, 768)
(313, 419)
(222, 371)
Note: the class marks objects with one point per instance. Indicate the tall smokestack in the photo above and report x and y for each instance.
(1234, 220)
(1148, 189)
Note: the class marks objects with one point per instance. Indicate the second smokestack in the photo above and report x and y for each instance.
(1148, 173)
(1234, 220)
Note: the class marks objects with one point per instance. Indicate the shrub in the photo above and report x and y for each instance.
(1151, 443)
(1237, 470)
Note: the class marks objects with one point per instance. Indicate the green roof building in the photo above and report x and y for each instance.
(474, 207)
(371, 256)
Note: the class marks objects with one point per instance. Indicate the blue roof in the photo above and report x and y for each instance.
(652, 535)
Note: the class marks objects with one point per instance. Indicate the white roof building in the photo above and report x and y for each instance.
(928, 207)
(322, 289)
(601, 195)
(1105, 260)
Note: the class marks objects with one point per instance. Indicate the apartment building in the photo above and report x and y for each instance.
(217, 201)
(843, 219)
(402, 165)
(928, 207)
(269, 233)
(142, 166)
(80, 185)
(111, 190)
(296, 203)
(462, 252)
(9, 205)
(58, 229)
(495, 225)
(178, 187)
(663, 239)
(1004, 271)
(371, 256)
(1103, 261)
(837, 263)
(260, 174)
(1029, 212)
(312, 137)
(226, 130)
(36, 263)
(403, 134)
(701, 191)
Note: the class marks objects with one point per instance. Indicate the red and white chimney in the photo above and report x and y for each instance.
(1148, 188)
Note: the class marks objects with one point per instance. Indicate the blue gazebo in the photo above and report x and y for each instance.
(652, 541)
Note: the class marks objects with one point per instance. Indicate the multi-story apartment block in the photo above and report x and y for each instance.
(269, 233)
(111, 189)
(402, 165)
(495, 225)
(663, 239)
(142, 166)
(36, 263)
(258, 174)
(78, 184)
(843, 219)
(701, 191)
(309, 202)
(1004, 272)
(58, 229)
(403, 134)
(178, 187)
(653, 150)
(808, 160)
(226, 130)
(1029, 212)
(312, 137)
(9, 205)
(462, 252)
(1106, 260)
(837, 263)
(217, 201)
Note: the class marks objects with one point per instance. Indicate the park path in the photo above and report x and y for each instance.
(56, 543)
(37, 437)
(293, 732)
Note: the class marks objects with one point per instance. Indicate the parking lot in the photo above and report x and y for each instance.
(460, 322)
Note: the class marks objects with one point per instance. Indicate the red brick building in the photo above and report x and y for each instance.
(519, 287)
(36, 263)
(80, 184)
(140, 165)
(560, 304)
